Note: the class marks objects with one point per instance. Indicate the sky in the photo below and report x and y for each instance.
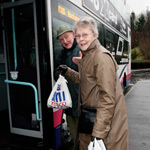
(139, 6)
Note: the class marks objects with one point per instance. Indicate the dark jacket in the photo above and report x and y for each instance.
(65, 58)
(101, 88)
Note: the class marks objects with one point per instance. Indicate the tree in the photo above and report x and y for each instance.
(147, 24)
(132, 21)
(140, 33)
(134, 34)
(140, 23)
(144, 43)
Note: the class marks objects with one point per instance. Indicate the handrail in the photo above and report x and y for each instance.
(2, 73)
(14, 37)
(35, 92)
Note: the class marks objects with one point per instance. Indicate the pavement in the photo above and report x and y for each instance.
(138, 108)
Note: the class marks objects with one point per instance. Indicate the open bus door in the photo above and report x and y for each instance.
(23, 73)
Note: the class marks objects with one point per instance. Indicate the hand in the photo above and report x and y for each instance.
(92, 138)
(62, 69)
(77, 59)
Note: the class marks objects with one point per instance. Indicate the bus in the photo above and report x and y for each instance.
(28, 47)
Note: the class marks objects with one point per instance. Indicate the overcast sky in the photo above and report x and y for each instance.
(139, 6)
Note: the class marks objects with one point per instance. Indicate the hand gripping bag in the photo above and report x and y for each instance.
(60, 97)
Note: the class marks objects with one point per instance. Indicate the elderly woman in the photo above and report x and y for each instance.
(100, 88)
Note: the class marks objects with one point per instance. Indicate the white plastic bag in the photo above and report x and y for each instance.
(101, 143)
(96, 145)
(60, 97)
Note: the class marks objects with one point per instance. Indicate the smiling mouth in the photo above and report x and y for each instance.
(67, 45)
(83, 44)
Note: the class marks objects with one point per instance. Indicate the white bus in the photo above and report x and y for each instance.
(28, 48)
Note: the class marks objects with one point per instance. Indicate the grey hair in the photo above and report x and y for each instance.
(87, 22)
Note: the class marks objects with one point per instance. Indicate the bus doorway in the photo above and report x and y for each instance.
(23, 75)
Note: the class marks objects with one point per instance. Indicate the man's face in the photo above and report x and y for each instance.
(67, 39)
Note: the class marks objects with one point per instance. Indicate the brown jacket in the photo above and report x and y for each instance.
(101, 88)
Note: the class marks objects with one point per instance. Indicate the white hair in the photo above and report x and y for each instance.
(87, 22)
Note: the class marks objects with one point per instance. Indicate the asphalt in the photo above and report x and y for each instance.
(138, 108)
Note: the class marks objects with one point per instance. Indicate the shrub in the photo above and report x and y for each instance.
(134, 54)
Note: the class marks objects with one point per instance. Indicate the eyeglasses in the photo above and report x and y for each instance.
(84, 35)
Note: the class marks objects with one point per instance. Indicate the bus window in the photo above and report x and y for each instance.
(122, 53)
(56, 44)
(120, 46)
(125, 49)
(101, 33)
(63, 13)
(57, 47)
(111, 47)
(110, 41)
(109, 35)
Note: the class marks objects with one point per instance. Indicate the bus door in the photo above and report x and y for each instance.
(22, 67)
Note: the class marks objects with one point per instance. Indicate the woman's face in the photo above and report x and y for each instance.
(84, 37)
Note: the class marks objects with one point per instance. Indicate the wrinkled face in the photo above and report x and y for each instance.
(67, 39)
(85, 37)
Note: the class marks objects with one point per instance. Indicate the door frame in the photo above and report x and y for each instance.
(26, 132)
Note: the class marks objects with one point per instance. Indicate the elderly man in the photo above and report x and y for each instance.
(70, 49)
